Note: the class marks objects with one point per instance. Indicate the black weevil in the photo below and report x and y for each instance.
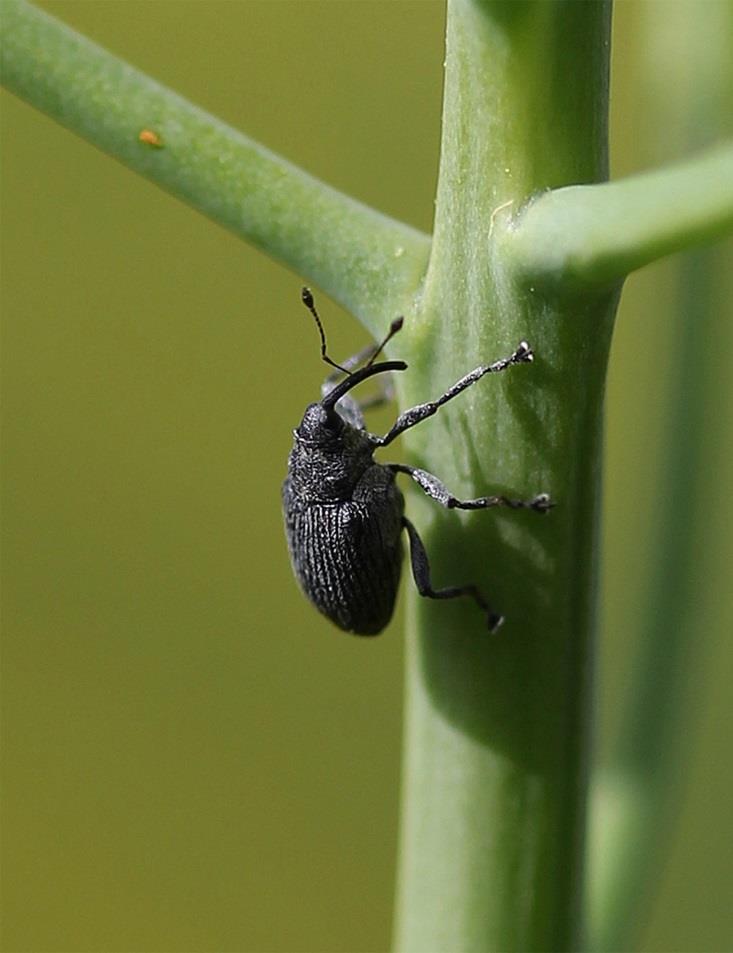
(344, 513)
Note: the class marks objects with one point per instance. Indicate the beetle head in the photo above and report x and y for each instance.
(320, 425)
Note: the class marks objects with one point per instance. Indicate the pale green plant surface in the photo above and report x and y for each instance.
(636, 792)
(496, 753)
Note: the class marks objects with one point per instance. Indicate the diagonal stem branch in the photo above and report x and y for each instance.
(593, 235)
(368, 262)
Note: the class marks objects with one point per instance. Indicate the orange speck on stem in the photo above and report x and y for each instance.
(150, 138)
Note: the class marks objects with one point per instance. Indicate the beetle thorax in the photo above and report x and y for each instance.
(328, 458)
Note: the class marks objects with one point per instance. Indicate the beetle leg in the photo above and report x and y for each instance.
(369, 354)
(384, 394)
(415, 415)
(354, 361)
(436, 489)
(351, 409)
(421, 575)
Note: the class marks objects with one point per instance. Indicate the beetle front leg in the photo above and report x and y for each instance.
(384, 394)
(415, 415)
(369, 354)
(348, 365)
(421, 575)
(438, 491)
(351, 409)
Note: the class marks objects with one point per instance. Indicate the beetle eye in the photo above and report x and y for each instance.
(334, 422)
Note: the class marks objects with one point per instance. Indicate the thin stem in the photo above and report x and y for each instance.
(586, 236)
(368, 262)
(636, 795)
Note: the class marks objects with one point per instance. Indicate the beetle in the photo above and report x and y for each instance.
(344, 513)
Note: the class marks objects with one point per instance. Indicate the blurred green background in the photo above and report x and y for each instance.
(192, 759)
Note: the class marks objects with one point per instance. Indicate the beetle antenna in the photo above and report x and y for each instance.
(393, 329)
(307, 298)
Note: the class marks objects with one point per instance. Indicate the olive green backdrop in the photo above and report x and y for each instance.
(193, 760)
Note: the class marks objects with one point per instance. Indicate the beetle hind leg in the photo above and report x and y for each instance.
(421, 575)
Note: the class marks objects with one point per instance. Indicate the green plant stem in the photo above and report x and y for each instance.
(636, 796)
(585, 236)
(496, 734)
(368, 262)
(633, 798)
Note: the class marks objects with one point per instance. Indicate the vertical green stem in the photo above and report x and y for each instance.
(636, 795)
(496, 733)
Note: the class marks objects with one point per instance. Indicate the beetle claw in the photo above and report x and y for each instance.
(495, 621)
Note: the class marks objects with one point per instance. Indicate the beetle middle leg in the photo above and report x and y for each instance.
(421, 575)
(436, 489)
